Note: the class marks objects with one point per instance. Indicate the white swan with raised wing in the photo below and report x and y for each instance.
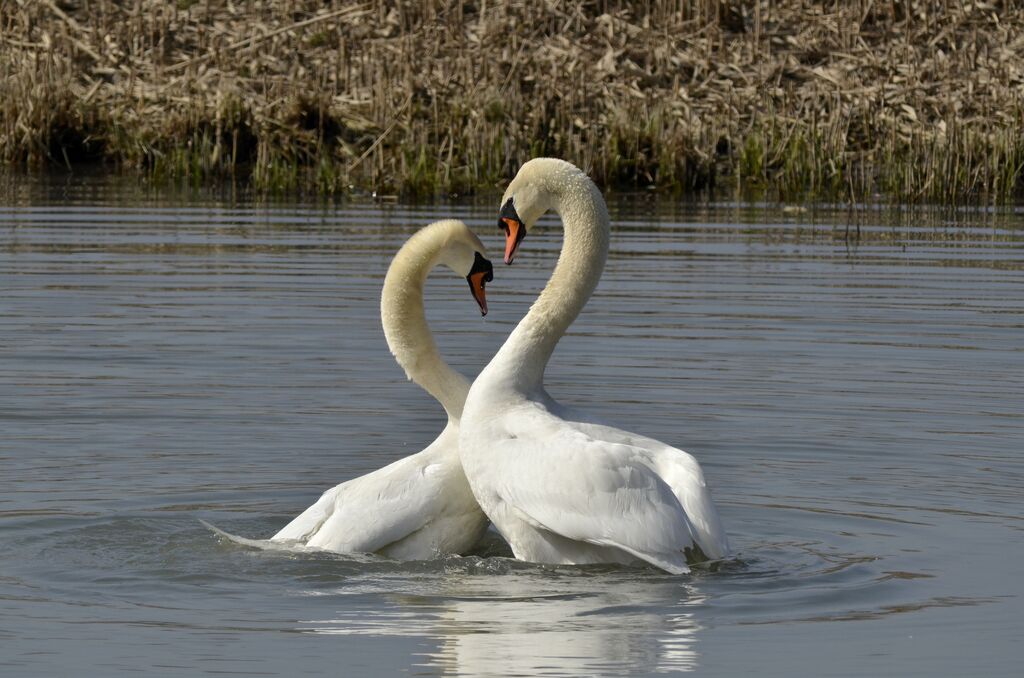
(560, 486)
(420, 506)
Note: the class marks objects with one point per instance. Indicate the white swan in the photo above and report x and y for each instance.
(420, 506)
(559, 486)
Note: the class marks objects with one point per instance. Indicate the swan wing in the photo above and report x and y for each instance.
(563, 481)
(366, 514)
(303, 526)
(680, 471)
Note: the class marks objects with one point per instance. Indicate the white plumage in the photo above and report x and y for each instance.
(559, 486)
(420, 506)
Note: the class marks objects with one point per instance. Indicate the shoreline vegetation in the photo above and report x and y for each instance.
(912, 101)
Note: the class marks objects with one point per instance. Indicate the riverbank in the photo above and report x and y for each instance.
(913, 101)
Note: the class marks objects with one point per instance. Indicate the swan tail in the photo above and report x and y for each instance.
(685, 477)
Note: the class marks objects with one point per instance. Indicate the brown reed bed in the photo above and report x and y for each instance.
(911, 100)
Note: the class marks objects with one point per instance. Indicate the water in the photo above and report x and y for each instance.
(856, 404)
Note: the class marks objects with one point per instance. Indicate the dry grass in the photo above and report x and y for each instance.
(916, 100)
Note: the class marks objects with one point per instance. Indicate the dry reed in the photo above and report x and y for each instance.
(915, 100)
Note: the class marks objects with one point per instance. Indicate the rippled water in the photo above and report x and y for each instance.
(856, 404)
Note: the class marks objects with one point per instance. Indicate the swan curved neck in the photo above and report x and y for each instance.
(524, 357)
(407, 332)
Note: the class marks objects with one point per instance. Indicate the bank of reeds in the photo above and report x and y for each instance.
(911, 99)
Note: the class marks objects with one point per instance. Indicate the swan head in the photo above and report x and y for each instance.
(520, 210)
(535, 189)
(465, 255)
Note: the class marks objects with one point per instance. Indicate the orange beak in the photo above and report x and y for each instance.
(514, 234)
(476, 287)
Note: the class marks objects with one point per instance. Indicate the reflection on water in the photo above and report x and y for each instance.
(524, 625)
(855, 403)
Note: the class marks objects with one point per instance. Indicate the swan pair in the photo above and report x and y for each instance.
(560, 487)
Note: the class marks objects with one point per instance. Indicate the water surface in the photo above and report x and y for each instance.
(856, 404)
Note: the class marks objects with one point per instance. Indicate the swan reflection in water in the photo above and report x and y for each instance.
(559, 620)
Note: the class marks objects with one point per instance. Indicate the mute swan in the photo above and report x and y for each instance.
(561, 487)
(420, 506)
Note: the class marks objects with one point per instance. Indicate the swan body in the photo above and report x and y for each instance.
(562, 487)
(420, 506)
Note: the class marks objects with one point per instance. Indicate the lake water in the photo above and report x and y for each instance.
(857, 405)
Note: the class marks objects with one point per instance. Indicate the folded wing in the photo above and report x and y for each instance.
(581, 488)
